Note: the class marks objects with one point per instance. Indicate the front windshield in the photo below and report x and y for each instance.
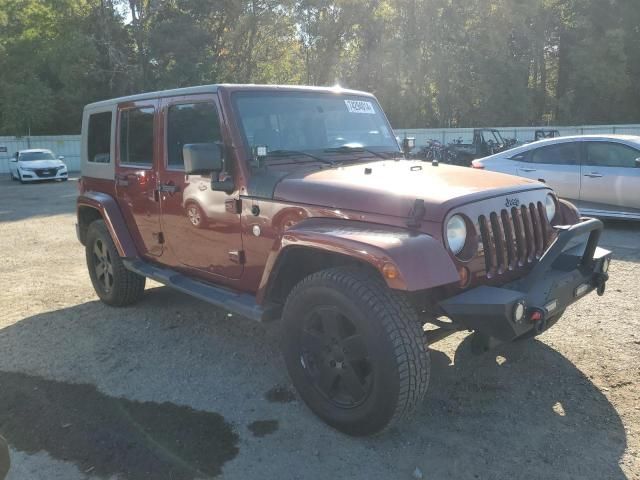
(303, 122)
(30, 156)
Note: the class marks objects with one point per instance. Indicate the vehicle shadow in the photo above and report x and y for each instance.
(78, 382)
(520, 411)
(39, 199)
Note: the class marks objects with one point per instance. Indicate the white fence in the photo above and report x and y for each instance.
(523, 134)
(65, 145)
(69, 145)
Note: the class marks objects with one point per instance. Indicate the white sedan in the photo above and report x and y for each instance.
(600, 174)
(37, 164)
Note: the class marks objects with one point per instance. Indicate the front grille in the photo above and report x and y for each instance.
(514, 238)
(46, 172)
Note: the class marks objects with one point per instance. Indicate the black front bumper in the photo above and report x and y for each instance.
(568, 270)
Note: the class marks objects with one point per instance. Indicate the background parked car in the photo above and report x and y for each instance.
(37, 164)
(599, 173)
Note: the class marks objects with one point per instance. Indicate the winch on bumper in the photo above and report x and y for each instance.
(566, 272)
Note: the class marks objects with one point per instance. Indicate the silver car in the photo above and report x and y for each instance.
(599, 173)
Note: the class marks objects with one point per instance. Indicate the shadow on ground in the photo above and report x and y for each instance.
(521, 412)
(39, 199)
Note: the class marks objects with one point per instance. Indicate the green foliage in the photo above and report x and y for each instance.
(430, 62)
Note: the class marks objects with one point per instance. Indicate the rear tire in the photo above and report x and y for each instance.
(355, 350)
(114, 284)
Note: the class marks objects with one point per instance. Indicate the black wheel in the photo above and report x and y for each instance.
(355, 350)
(114, 284)
(195, 215)
(20, 179)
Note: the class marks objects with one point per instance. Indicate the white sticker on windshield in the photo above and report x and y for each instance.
(359, 106)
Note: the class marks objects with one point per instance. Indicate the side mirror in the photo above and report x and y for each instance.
(408, 144)
(61, 157)
(637, 162)
(202, 158)
(13, 159)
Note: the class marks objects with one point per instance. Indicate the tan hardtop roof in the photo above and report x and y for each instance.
(214, 88)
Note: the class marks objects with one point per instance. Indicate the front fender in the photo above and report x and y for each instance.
(108, 208)
(421, 260)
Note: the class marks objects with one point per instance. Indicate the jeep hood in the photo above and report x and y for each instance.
(392, 187)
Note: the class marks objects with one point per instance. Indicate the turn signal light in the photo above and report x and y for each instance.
(390, 271)
(465, 276)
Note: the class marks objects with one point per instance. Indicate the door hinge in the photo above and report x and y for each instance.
(233, 205)
(159, 236)
(237, 256)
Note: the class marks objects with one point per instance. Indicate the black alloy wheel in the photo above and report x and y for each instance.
(336, 357)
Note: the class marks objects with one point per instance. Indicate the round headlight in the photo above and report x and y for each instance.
(550, 207)
(456, 233)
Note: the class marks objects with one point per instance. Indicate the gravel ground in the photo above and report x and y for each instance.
(175, 389)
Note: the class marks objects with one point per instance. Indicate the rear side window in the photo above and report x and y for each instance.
(190, 123)
(561, 154)
(606, 154)
(99, 138)
(136, 136)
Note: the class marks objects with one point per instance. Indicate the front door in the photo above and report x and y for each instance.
(201, 226)
(610, 178)
(136, 178)
(557, 165)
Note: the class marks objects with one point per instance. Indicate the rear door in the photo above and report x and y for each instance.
(201, 226)
(136, 178)
(557, 165)
(610, 177)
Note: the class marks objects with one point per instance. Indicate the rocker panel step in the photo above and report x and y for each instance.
(238, 303)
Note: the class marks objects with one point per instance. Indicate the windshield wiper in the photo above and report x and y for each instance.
(348, 149)
(292, 153)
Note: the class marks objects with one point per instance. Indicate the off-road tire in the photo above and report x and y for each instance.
(127, 287)
(394, 339)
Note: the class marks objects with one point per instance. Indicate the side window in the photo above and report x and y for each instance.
(136, 136)
(520, 157)
(190, 123)
(561, 154)
(606, 154)
(99, 138)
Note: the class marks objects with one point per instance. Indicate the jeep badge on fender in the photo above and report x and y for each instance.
(511, 202)
(297, 204)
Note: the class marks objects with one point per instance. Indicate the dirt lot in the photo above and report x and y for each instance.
(174, 389)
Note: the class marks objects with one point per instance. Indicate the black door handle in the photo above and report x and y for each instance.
(122, 180)
(168, 188)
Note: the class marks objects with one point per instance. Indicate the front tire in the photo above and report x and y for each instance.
(114, 284)
(355, 350)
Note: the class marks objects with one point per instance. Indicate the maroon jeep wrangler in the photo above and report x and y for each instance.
(297, 203)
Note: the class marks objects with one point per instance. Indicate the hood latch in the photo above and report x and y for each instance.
(416, 214)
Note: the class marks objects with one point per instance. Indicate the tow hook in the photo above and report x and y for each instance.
(601, 281)
(537, 317)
